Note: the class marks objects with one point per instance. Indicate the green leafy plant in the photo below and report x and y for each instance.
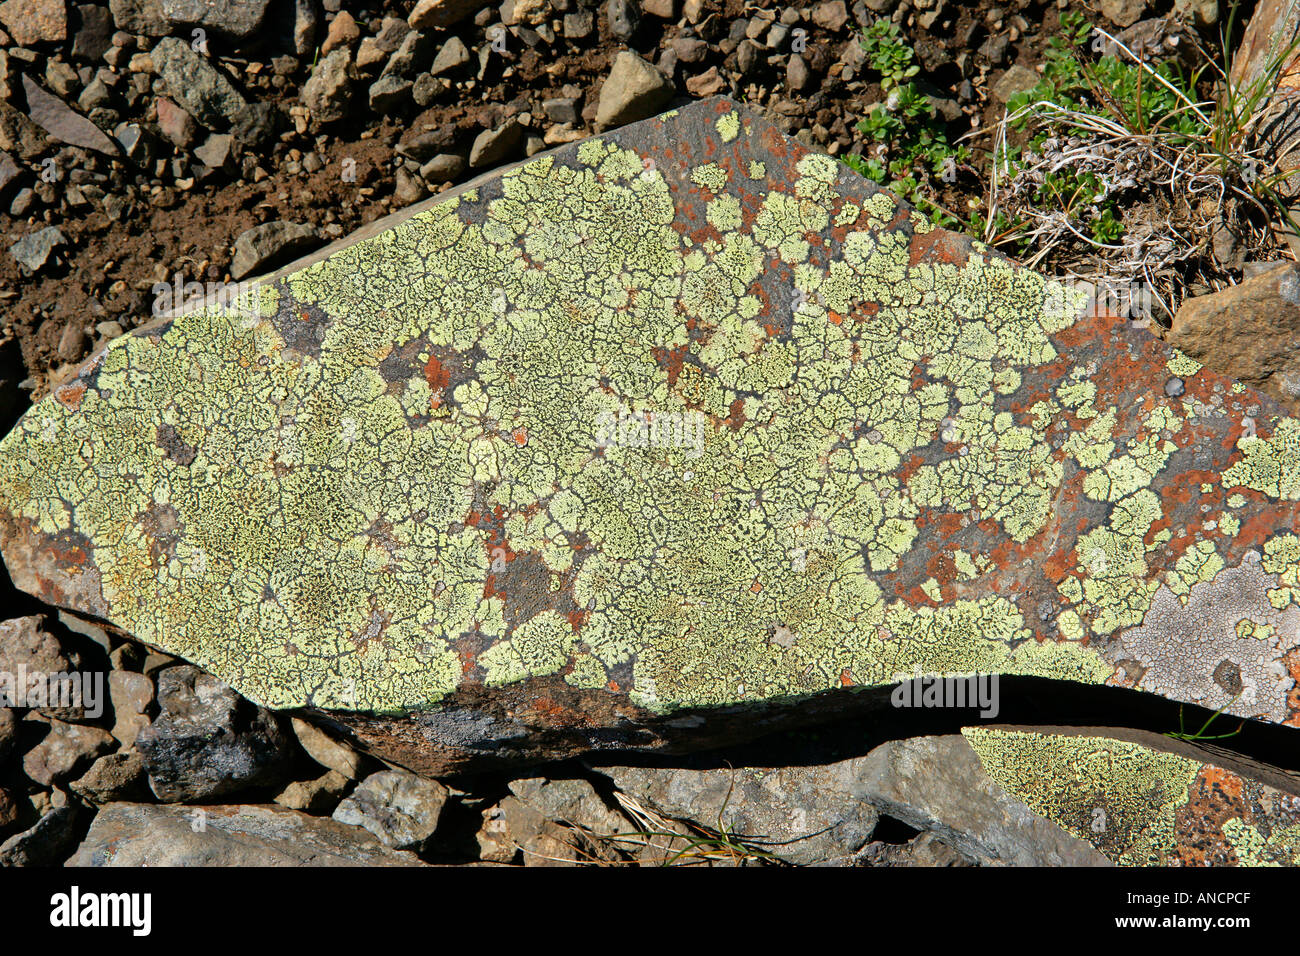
(912, 145)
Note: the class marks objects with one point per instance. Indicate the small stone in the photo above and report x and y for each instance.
(1123, 13)
(663, 9)
(831, 15)
(138, 144)
(561, 109)
(409, 59)
(8, 732)
(217, 151)
(22, 202)
(399, 808)
(494, 146)
(35, 21)
(624, 17)
(329, 91)
(342, 32)
(452, 56)
(34, 250)
(443, 168)
(1017, 79)
(390, 93)
(427, 88)
(208, 741)
(131, 695)
(94, 35)
(116, 776)
(236, 19)
(797, 75)
(61, 122)
(708, 83)
(272, 243)
(327, 751)
(369, 55)
(306, 25)
(46, 843)
(65, 751)
(62, 78)
(579, 25)
(176, 124)
(689, 49)
(440, 13)
(320, 795)
(196, 85)
(633, 91)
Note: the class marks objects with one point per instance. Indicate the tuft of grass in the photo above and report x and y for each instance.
(1114, 169)
(1182, 733)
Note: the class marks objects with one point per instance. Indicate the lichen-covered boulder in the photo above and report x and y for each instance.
(663, 439)
(1141, 807)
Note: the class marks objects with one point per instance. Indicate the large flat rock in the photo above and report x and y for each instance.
(666, 438)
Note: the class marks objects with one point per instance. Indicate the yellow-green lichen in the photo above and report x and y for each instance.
(1119, 796)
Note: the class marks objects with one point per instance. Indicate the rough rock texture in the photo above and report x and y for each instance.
(633, 90)
(799, 814)
(31, 654)
(257, 248)
(401, 809)
(1140, 807)
(208, 741)
(63, 123)
(1250, 328)
(46, 843)
(196, 85)
(117, 776)
(551, 823)
(64, 751)
(134, 834)
(936, 784)
(668, 438)
(237, 19)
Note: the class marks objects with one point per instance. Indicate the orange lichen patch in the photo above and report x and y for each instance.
(736, 414)
(671, 360)
(864, 311)
(69, 396)
(846, 678)
(834, 317)
(435, 374)
(520, 437)
(756, 587)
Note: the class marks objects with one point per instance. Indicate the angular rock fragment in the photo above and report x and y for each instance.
(936, 784)
(116, 776)
(46, 843)
(1141, 807)
(665, 439)
(399, 808)
(195, 84)
(208, 741)
(135, 834)
(64, 751)
(63, 123)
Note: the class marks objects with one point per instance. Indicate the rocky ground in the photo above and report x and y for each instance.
(129, 158)
(179, 769)
(140, 146)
